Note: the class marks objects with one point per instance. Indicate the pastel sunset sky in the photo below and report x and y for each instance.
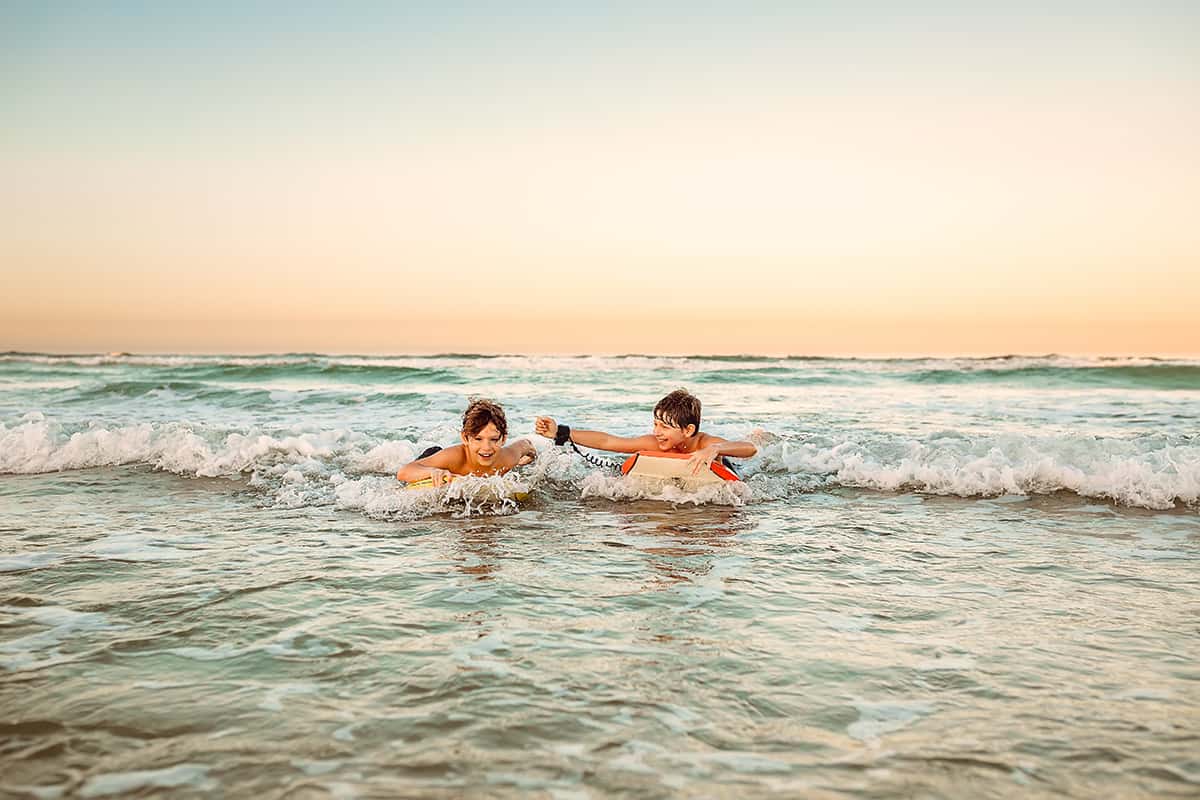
(842, 179)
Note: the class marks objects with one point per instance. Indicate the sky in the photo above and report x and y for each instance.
(858, 178)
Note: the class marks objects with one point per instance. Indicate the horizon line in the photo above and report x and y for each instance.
(715, 356)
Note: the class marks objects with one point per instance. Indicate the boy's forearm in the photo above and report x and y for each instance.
(599, 440)
(414, 472)
(407, 473)
(737, 449)
(593, 439)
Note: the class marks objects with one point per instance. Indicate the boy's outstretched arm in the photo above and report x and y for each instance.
(723, 447)
(717, 447)
(597, 440)
(436, 466)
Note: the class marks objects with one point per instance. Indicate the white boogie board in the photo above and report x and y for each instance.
(654, 464)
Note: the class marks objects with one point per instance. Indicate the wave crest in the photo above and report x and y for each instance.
(1149, 472)
(340, 466)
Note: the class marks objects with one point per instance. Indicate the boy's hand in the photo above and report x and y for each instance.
(528, 453)
(702, 459)
(440, 477)
(545, 426)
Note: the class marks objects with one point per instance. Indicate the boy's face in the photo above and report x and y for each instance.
(669, 435)
(484, 445)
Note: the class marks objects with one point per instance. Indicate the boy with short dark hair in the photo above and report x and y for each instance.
(482, 452)
(676, 430)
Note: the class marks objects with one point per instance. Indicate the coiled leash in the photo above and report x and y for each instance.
(563, 436)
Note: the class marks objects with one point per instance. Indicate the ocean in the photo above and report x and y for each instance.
(940, 578)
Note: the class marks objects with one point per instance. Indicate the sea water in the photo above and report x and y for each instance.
(941, 578)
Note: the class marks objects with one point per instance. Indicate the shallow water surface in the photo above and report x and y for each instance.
(947, 588)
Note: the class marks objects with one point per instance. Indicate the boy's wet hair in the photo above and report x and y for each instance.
(679, 409)
(479, 413)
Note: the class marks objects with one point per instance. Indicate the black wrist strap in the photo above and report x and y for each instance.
(562, 435)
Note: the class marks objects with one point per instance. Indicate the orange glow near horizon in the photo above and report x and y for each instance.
(559, 334)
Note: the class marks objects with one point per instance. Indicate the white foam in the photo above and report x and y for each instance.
(335, 466)
(1150, 472)
(221, 652)
(273, 700)
(16, 562)
(877, 719)
(386, 457)
(194, 775)
(741, 762)
(346, 732)
(284, 643)
(62, 618)
(135, 547)
(41, 648)
(38, 444)
(668, 490)
(386, 497)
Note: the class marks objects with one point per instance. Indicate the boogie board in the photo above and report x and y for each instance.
(656, 464)
(425, 483)
(485, 493)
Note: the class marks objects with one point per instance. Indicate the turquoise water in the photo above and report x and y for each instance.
(941, 578)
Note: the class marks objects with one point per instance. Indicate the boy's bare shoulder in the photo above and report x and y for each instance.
(453, 458)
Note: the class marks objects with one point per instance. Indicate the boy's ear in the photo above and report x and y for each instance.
(463, 434)
(690, 430)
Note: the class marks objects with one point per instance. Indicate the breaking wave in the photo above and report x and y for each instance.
(353, 470)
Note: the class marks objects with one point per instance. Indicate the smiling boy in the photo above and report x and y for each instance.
(676, 430)
(482, 452)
